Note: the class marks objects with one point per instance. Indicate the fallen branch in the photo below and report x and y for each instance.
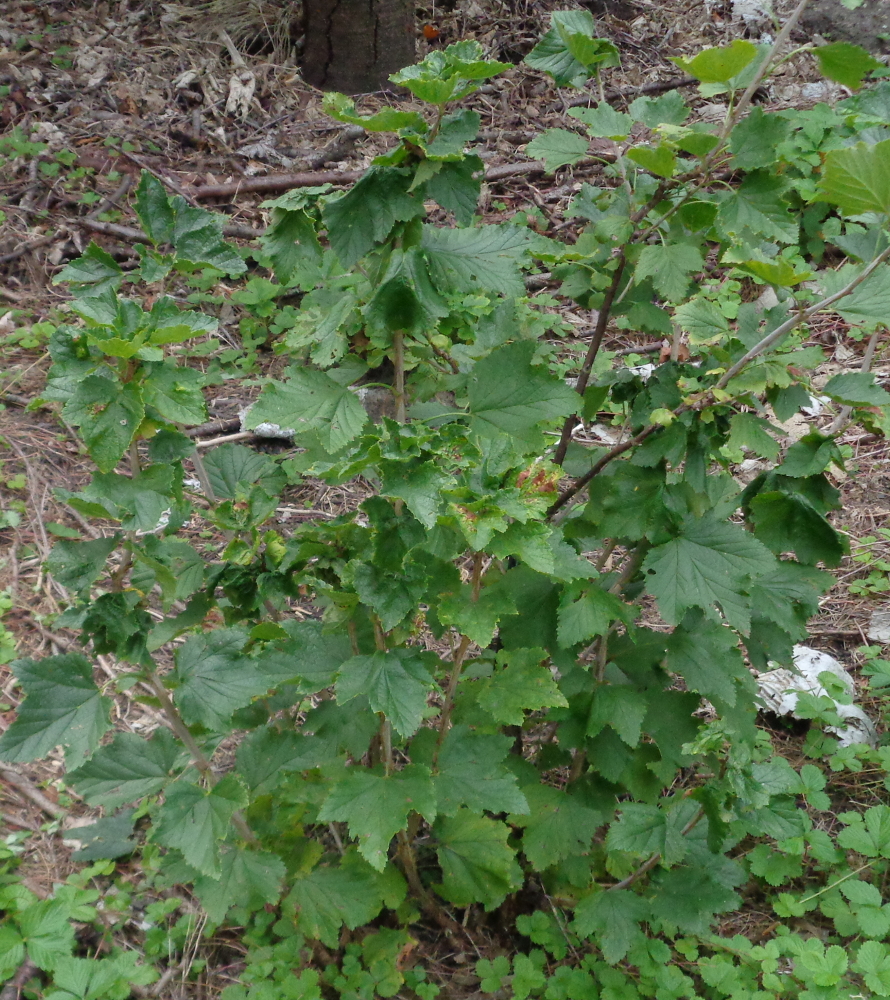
(623, 93)
(23, 785)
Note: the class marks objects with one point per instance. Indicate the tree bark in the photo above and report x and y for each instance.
(354, 45)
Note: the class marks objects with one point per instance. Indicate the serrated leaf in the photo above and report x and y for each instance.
(246, 878)
(845, 63)
(522, 683)
(327, 898)
(108, 413)
(702, 320)
(47, 931)
(670, 266)
(213, 678)
(604, 122)
(707, 657)
(757, 208)
(508, 395)
(788, 521)
(659, 160)
(62, 705)
(558, 147)
(396, 683)
(456, 187)
(94, 266)
(231, 464)
(342, 108)
(646, 829)
(364, 217)
(857, 178)
(419, 484)
(77, 565)
(690, 897)
(613, 919)
(376, 807)
(569, 51)
(175, 392)
(311, 401)
(482, 259)
(291, 243)
(128, 768)
(755, 138)
(154, 209)
(588, 616)
(620, 706)
(710, 563)
(668, 109)
(109, 837)
(267, 753)
(194, 820)
(557, 826)
(867, 834)
(470, 774)
(718, 65)
(873, 962)
(856, 389)
(477, 864)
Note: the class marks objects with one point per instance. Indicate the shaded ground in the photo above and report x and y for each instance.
(115, 87)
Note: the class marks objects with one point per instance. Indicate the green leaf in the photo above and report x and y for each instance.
(109, 837)
(377, 807)
(846, 64)
(194, 820)
(873, 963)
(869, 303)
(311, 401)
(291, 243)
(620, 706)
(691, 896)
(477, 864)
(718, 65)
(405, 299)
(754, 140)
(476, 619)
(612, 918)
(867, 834)
(659, 160)
(757, 209)
(558, 147)
(94, 266)
(773, 866)
(128, 768)
(556, 826)
(455, 131)
(396, 683)
(175, 392)
(485, 258)
(857, 178)
(327, 898)
(154, 209)
(710, 563)
(570, 52)
(627, 501)
(471, 774)
(670, 266)
(779, 272)
(77, 565)
(588, 616)
(47, 931)
(856, 389)
(523, 682)
(342, 108)
(309, 655)
(419, 484)
(246, 878)
(707, 657)
(508, 395)
(365, 216)
(456, 187)
(232, 464)
(108, 413)
(62, 706)
(644, 829)
(267, 753)
(449, 74)
(702, 319)
(669, 109)
(213, 678)
(788, 521)
(604, 122)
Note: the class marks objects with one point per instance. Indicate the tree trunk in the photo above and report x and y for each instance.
(354, 45)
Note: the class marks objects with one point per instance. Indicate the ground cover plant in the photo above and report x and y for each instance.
(511, 689)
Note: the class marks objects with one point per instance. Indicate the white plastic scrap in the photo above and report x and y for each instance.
(779, 689)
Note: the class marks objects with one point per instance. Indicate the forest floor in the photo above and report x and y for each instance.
(109, 89)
